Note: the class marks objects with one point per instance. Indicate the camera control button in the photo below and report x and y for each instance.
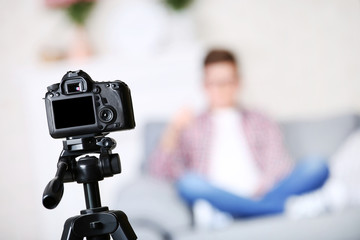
(53, 87)
(57, 94)
(115, 86)
(97, 104)
(97, 98)
(96, 90)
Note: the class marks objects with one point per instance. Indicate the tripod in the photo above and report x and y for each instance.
(96, 222)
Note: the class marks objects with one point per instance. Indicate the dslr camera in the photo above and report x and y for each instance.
(79, 106)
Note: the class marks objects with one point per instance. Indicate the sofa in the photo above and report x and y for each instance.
(156, 212)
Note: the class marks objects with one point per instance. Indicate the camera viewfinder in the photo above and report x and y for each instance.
(75, 86)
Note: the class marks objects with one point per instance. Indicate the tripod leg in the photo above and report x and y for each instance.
(119, 234)
(124, 231)
(68, 233)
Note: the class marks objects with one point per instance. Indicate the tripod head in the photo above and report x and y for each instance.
(96, 222)
(86, 170)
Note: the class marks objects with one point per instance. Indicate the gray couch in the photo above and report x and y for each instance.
(156, 212)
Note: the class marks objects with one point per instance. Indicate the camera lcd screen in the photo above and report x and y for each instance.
(73, 112)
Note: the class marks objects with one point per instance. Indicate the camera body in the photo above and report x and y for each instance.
(79, 106)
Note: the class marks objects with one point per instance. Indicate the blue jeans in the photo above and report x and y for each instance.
(308, 175)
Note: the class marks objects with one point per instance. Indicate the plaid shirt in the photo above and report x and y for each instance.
(192, 154)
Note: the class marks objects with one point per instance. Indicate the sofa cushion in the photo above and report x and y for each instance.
(318, 137)
(304, 138)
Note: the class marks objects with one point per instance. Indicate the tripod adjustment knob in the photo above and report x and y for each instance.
(96, 225)
(107, 143)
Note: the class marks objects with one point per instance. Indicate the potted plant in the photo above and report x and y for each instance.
(78, 12)
(178, 5)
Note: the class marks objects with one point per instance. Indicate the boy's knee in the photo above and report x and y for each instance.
(315, 166)
(190, 183)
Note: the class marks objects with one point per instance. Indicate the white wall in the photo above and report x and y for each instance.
(300, 60)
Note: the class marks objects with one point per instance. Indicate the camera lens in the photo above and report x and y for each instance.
(106, 115)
